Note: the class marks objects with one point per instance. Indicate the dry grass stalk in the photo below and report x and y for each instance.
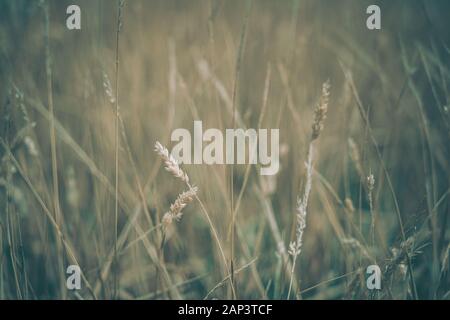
(173, 167)
(170, 163)
(370, 187)
(175, 212)
(320, 113)
(356, 158)
(295, 246)
(120, 4)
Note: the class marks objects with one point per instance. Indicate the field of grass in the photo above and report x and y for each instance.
(364, 149)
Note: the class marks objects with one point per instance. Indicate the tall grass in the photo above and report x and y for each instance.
(84, 180)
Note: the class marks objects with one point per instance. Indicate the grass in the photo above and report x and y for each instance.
(81, 183)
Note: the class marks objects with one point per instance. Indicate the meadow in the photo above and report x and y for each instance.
(87, 179)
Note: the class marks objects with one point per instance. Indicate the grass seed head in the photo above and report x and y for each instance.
(320, 112)
(175, 212)
(170, 163)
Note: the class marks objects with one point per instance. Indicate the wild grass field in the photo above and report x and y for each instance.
(364, 149)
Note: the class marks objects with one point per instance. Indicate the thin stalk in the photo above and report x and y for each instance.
(120, 4)
(54, 163)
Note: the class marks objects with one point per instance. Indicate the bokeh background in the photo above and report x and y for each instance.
(180, 61)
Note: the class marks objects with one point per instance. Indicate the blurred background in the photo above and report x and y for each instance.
(180, 61)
